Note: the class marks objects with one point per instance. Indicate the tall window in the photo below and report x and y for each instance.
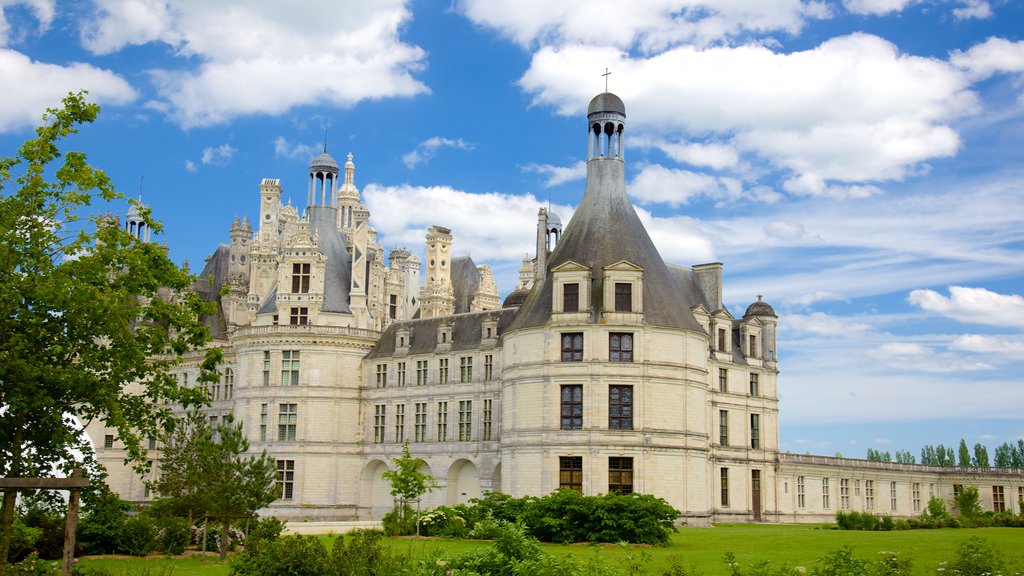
(869, 494)
(421, 372)
(266, 368)
(572, 347)
(724, 482)
(620, 474)
(401, 374)
(465, 369)
(380, 412)
(825, 501)
(755, 430)
(572, 407)
(465, 420)
(620, 347)
(620, 407)
(800, 491)
(287, 422)
(571, 297)
(263, 422)
(108, 441)
(420, 430)
(393, 306)
(488, 366)
(892, 496)
(286, 479)
(623, 297)
(844, 493)
(300, 278)
(998, 499)
(382, 375)
(754, 388)
(215, 394)
(723, 427)
(570, 473)
(442, 421)
(723, 379)
(442, 371)
(488, 422)
(752, 349)
(298, 316)
(229, 383)
(915, 496)
(722, 344)
(400, 423)
(290, 368)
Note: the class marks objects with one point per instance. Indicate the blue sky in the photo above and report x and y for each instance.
(858, 162)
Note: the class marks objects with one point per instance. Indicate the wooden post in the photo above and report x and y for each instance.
(73, 483)
(68, 558)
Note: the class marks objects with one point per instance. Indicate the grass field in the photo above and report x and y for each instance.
(702, 547)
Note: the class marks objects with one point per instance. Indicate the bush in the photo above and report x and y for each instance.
(31, 565)
(264, 529)
(295, 556)
(23, 540)
(51, 524)
(854, 520)
(137, 536)
(975, 557)
(401, 521)
(173, 536)
(100, 528)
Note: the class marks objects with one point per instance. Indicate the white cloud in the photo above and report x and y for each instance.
(915, 357)
(559, 174)
(217, 155)
(1009, 345)
(711, 155)
(805, 299)
(429, 147)
(263, 57)
(285, 149)
(877, 7)
(43, 10)
(992, 56)
(821, 324)
(41, 86)
(973, 305)
(657, 184)
(785, 230)
(973, 9)
(808, 184)
(190, 166)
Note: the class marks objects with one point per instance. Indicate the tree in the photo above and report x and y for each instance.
(980, 456)
(1004, 455)
(967, 502)
(905, 457)
(83, 329)
(181, 474)
(408, 482)
(965, 454)
(928, 456)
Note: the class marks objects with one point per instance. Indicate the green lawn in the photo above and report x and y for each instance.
(701, 547)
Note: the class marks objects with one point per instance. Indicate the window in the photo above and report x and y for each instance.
(956, 489)
(298, 316)
(380, 412)
(229, 383)
(825, 503)
(152, 443)
(723, 427)
(263, 422)
(620, 474)
(570, 473)
(488, 418)
(382, 375)
(869, 494)
(108, 441)
(723, 379)
(856, 487)
(266, 368)
(620, 347)
(442, 421)
(571, 297)
(465, 420)
(572, 407)
(800, 491)
(148, 479)
(752, 349)
(290, 368)
(400, 423)
(844, 493)
(998, 500)
(442, 371)
(572, 347)
(393, 306)
(623, 297)
(401, 374)
(300, 278)
(892, 496)
(620, 407)
(723, 474)
(466, 369)
(721, 340)
(755, 430)
(421, 372)
(287, 421)
(215, 393)
(286, 479)
(488, 366)
(915, 496)
(420, 426)
(754, 388)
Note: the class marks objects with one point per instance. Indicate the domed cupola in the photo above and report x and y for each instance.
(323, 180)
(606, 119)
(760, 308)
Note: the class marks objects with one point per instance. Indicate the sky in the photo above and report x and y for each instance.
(857, 162)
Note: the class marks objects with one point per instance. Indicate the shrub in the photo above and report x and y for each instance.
(174, 535)
(400, 521)
(361, 553)
(31, 565)
(975, 557)
(264, 529)
(137, 536)
(936, 508)
(854, 520)
(51, 524)
(100, 528)
(295, 556)
(968, 502)
(23, 540)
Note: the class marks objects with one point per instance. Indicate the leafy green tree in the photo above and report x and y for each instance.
(980, 456)
(928, 456)
(905, 457)
(968, 502)
(1004, 455)
(879, 456)
(964, 454)
(181, 473)
(83, 329)
(408, 482)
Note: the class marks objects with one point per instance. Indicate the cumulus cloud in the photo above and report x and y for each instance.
(285, 149)
(785, 230)
(822, 324)
(42, 10)
(805, 299)
(915, 357)
(993, 56)
(559, 174)
(1009, 345)
(877, 7)
(973, 9)
(262, 57)
(973, 305)
(217, 155)
(713, 155)
(429, 148)
(190, 166)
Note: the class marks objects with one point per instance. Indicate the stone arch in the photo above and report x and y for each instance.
(374, 490)
(463, 482)
(496, 478)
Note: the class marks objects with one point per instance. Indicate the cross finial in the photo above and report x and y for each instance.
(606, 75)
(325, 139)
(759, 297)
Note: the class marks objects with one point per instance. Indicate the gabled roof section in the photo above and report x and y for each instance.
(625, 265)
(208, 285)
(465, 281)
(466, 332)
(569, 266)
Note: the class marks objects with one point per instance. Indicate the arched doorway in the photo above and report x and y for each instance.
(374, 490)
(463, 482)
(496, 478)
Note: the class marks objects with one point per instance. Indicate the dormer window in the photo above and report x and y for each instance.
(722, 341)
(571, 297)
(623, 293)
(444, 336)
(300, 278)
(570, 291)
(753, 346)
(623, 297)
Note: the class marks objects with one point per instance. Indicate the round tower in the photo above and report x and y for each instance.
(606, 120)
(764, 312)
(348, 196)
(323, 180)
(134, 224)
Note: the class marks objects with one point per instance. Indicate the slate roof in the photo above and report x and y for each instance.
(208, 285)
(467, 330)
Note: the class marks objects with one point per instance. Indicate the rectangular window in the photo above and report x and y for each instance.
(152, 443)
(755, 430)
(869, 494)
(287, 422)
(856, 487)
(290, 368)
(723, 379)
(400, 423)
(572, 347)
(442, 371)
(844, 493)
(442, 421)
(825, 502)
(108, 441)
(752, 350)
(286, 479)
(754, 388)
(380, 412)
(229, 384)
(263, 422)
(620, 474)
(998, 499)
(382, 375)
(421, 372)
(401, 374)
(570, 473)
(420, 430)
(488, 366)
(571, 297)
(800, 491)
(572, 407)
(620, 407)
(723, 474)
(623, 297)
(465, 420)
(723, 427)
(892, 496)
(488, 418)
(300, 278)
(915, 496)
(465, 369)
(620, 347)
(298, 316)
(266, 368)
(722, 344)
(393, 306)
